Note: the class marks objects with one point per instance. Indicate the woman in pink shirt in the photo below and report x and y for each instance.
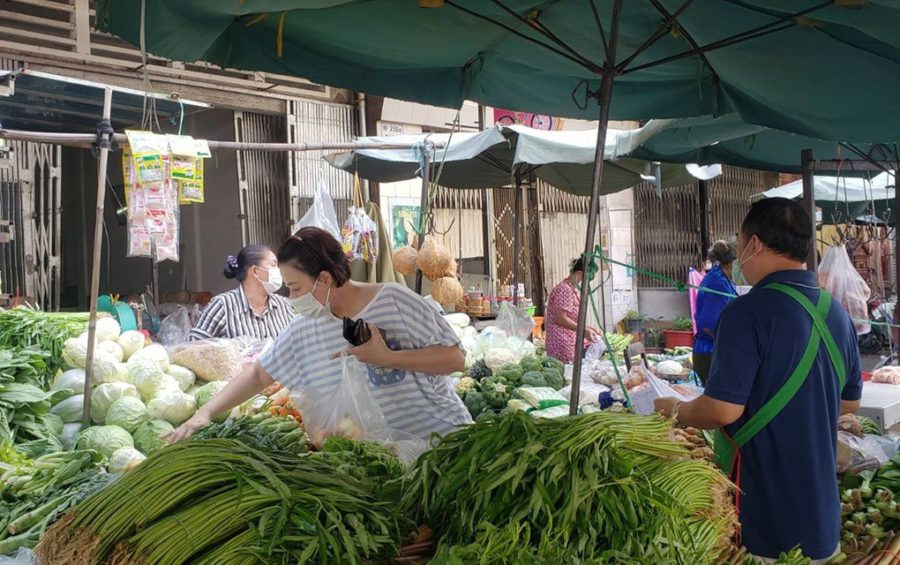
(562, 316)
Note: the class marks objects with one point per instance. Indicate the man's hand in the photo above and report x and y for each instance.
(666, 406)
(373, 352)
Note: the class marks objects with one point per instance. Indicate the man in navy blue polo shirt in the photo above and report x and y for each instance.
(785, 366)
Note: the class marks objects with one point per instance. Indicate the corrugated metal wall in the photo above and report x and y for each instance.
(668, 226)
(318, 122)
(262, 176)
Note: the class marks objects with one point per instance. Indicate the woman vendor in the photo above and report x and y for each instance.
(711, 304)
(252, 309)
(407, 370)
(562, 316)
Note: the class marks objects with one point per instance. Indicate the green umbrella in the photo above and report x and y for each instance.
(731, 141)
(826, 69)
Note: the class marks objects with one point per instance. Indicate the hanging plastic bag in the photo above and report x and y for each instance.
(515, 321)
(321, 214)
(359, 235)
(352, 412)
(838, 276)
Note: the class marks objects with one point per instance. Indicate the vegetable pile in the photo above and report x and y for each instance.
(601, 486)
(25, 328)
(214, 501)
(486, 392)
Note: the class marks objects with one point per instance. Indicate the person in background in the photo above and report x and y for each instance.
(562, 316)
(785, 367)
(407, 369)
(710, 305)
(252, 309)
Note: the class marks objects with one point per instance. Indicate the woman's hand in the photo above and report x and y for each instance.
(373, 352)
(198, 421)
(592, 334)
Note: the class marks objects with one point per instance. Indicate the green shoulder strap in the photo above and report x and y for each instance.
(819, 319)
(819, 333)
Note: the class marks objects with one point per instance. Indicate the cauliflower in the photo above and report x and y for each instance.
(495, 359)
(670, 368)
(464, 385)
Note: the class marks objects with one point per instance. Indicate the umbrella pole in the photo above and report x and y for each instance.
(517, 239)
(809, 204)
(594, 211)
(424, 209)
(98, 252)
(895, 214)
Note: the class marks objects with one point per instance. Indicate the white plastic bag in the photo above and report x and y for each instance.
(352, 412)
(515, 321)
(321, 214)
(838, 276)
(595, 351)
(175, 327)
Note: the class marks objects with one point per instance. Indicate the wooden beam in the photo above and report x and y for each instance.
(809, 203)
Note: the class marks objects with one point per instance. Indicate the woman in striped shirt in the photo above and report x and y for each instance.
(406, 369)
(252, 309)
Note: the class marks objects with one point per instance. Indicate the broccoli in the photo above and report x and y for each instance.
(480, 371)
(486, 415)
(495, 392)
(512, 374)
(552, 363)
(475, 403)
(534, 379)
(530, 363)
(554, 378)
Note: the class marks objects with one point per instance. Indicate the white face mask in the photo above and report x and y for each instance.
(741, 262)
(308, 307)
(275, 281)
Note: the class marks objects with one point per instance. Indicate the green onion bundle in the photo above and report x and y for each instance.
(601, 486)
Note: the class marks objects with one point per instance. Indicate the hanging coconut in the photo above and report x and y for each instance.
(434, 259)
(405, 261)
(446, 290)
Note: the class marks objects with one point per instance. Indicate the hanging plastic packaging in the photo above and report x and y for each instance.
(321, 214)
(838, 276)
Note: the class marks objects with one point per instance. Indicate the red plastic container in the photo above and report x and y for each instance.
(679, 338)
(866, 376)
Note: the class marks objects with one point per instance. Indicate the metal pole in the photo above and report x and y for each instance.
(809, 204)
(517, 236)
(703, 197)
(895, 214)
(594, 210)
(97, 258)
(423, 208)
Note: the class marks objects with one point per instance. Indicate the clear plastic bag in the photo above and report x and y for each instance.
(838, 276)
(595, 350)
(855, 454)
(213, 359)
(175, 328)
(352, 412)
(515, 321)
(321, 214)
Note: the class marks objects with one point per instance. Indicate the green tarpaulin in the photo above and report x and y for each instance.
(842, 199)
(731, 141)
(829, 70)
(487, 159)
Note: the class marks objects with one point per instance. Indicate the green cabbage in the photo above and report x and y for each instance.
(72, 380)
(111, 349)
(147, 437)
(128, 413)
(105, 440)
(70, 410)
(183, 376)
(156, 353)
(148, 378)
(130, 342)
(106, 369)
(124, 459)
(104, 396)
(207, 392)
(69, 435)
(74, 352)
(108, 329)
(172, 406)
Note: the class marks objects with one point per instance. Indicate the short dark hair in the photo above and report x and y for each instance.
(577, 266)
(314, 251)
(782, 225)
(250, 256)
(722, 252)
